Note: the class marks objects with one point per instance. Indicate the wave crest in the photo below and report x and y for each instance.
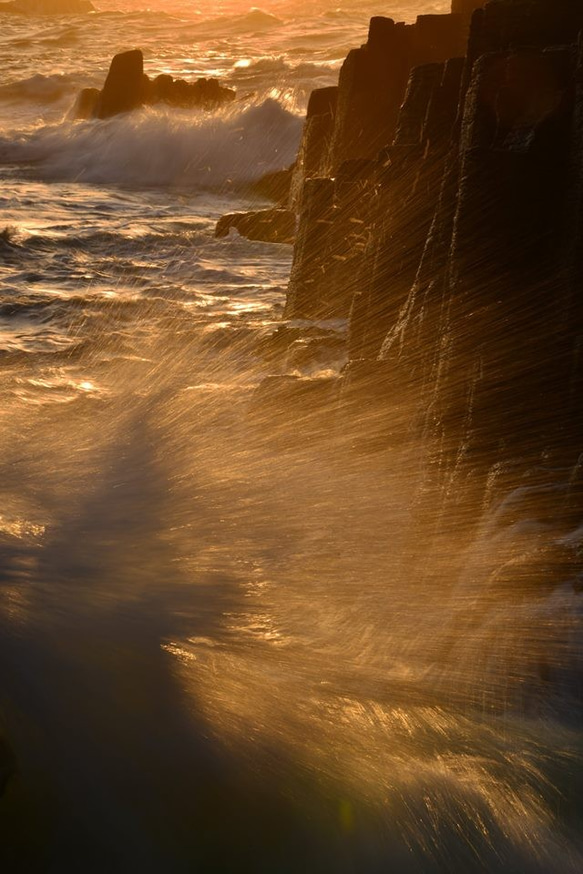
(43, 89)
(162, 147)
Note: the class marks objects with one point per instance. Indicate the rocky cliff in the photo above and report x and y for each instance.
(439, 191)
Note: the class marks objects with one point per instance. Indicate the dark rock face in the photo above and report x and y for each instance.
(314, 157)
(7, 765)
(307, 293)
(127, 88)
(371, 86)
(514, 24)
(410, 185)
(466, 7)
(124, 86)
(268, 225)
(447, 222)
(86, 104)
(373, 79)
(422, 83)
(275, 186)
(203, 93)
(358, 134)
(506, 276)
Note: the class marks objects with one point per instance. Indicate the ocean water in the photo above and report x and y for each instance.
(219, 649)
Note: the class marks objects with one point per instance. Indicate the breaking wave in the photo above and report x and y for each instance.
(39, 88)
(255, 19)
(279, 66)
(163, 147)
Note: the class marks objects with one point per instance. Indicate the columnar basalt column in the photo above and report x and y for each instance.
(371, 87)
(410, 182)
(314, 158)
(312, 265)
(508, 289)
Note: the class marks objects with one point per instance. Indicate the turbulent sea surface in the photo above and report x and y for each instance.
(216, 651)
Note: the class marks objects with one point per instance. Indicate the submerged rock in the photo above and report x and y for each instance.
(306, 348)
(267, 225)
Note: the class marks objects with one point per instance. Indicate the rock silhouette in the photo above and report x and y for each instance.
(275, 186)
(268, 225)
(86, 104)
(124, 86)
(127, 87)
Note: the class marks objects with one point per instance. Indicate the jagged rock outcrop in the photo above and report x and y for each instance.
(466, 7)
(286, 187)
(127, 88)
(358, 135)
(124, 88)
(274, 186)
(332, 235)
(202, 93)
(512, 311)
(267, 225)
(314, 156)
(511, 24)
(346, 128)
(491, 327)
(463, 281)
(374, 78)
(308, 289)
(410, 180)
(86, 104)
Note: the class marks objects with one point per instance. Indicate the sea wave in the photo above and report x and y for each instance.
(278, 66)
(162, 147)
(39, 88)
(253, 20)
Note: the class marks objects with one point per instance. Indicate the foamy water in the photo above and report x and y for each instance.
(219, 648)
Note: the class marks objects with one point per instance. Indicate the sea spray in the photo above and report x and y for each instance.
(155, 147)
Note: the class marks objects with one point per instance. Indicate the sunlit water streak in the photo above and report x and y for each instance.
(220, 649)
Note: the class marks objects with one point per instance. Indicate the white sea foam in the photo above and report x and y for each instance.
(164, 147)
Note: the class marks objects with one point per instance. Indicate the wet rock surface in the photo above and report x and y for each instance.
(127, 88)
(275, 186)
(87, 103)
(439, 192)
(124, 86)
(268, 225)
